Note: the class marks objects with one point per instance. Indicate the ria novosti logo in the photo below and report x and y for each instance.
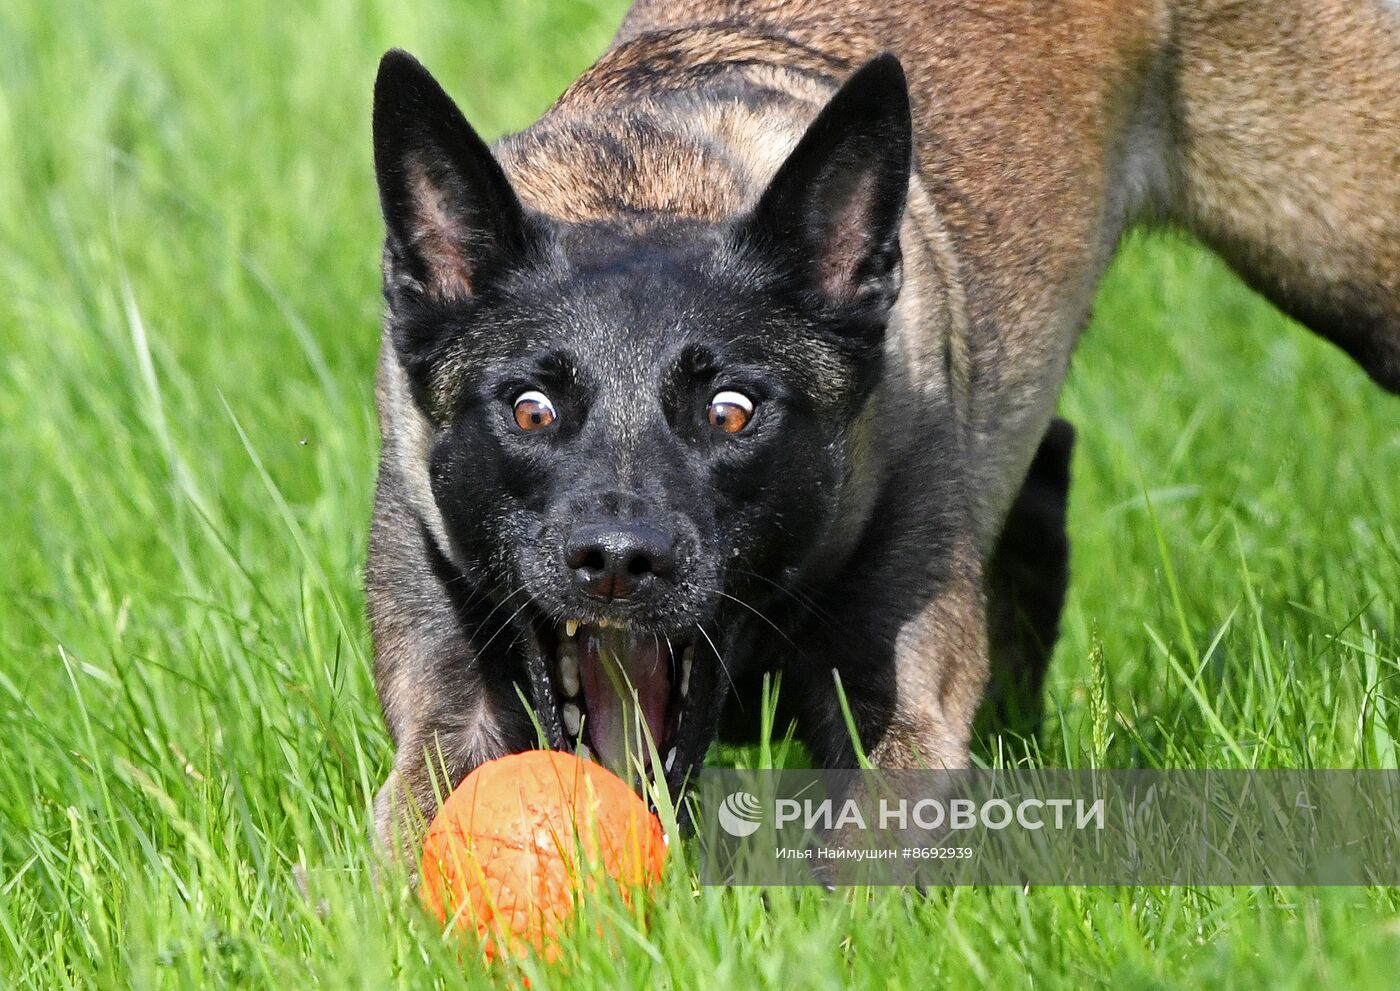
(740, 814)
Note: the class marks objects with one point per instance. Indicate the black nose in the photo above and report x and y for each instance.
(612, 560)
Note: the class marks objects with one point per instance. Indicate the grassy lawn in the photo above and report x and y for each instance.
(189, 302)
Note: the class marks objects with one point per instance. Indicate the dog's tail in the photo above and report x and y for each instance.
(1285, 124)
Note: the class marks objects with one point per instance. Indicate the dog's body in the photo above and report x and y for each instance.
(924, 338)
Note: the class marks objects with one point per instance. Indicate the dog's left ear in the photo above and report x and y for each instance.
(833, 209)
(451, 216)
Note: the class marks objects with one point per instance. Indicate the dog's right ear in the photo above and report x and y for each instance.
(451, 216)
(832, 212)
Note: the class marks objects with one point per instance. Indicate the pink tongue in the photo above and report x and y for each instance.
(613, 666)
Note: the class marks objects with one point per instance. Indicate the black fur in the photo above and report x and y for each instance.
(1027, 582)
(629, 330)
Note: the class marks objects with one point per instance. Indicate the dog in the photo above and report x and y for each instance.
(742, 361)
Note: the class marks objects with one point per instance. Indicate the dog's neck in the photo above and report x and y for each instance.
(700, 153)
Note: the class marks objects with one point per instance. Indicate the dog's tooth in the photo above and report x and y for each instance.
(670, 759)
(572, 718)
(568, 669)
(687, 658)
(604, 623)
(570, 627)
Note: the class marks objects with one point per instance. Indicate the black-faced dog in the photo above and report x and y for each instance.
(743, 359)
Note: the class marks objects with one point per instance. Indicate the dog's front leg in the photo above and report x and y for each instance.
(941, 670)
(432, 757)
(446, 711)
(912, 680)
(913, 692)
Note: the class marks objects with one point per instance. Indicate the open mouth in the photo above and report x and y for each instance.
(627, 698)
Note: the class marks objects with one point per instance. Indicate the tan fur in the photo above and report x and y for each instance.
(1287, 158)
(932, 721)
(1043, 129)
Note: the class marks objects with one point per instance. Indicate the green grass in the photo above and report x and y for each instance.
(188, 320)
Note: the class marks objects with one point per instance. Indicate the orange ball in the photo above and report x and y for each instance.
(524, 836)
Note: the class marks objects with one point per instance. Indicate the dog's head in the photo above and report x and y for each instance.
(640, 428)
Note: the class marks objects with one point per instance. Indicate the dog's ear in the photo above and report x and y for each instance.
(833, 209)
(451, 216)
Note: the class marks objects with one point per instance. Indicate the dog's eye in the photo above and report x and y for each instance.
(533, 411)
(730, 411)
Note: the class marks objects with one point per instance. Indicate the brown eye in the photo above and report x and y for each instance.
(533, 411)
(730, 411)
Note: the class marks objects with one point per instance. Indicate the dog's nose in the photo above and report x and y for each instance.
(612, 560)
